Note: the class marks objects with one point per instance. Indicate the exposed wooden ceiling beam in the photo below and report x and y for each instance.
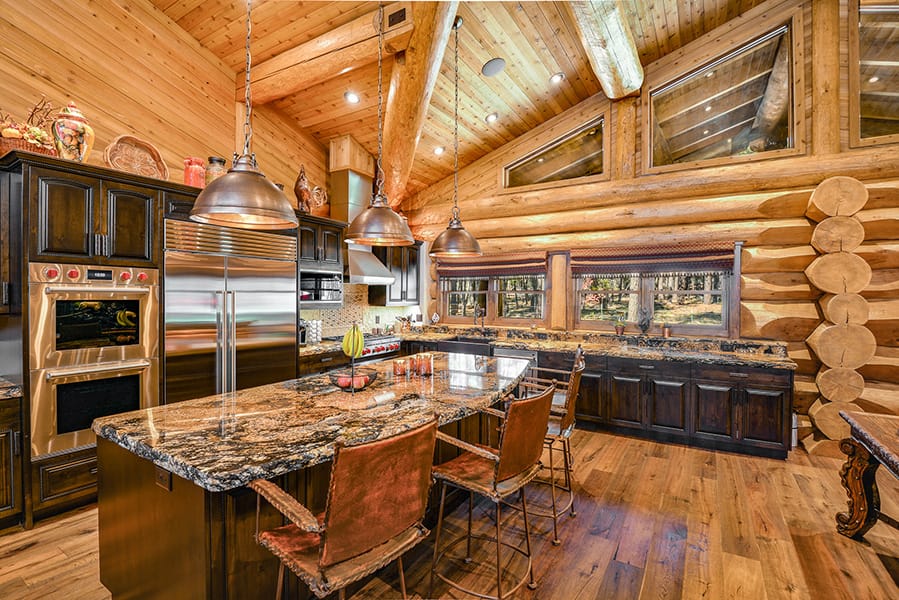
(340, 50)
(411, 85)
(776, 103)
(610, 46)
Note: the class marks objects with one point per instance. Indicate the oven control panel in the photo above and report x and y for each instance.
(88, 274)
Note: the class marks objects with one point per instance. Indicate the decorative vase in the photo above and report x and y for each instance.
(619, 329)
(73, 136)
(302, 191)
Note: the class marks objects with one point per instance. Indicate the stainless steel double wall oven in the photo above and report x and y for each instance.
(94, 349)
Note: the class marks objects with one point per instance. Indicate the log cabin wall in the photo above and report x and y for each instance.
(131, 70)
(763, 202)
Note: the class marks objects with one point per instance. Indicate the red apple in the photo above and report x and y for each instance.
(359, 381)
(344, 380)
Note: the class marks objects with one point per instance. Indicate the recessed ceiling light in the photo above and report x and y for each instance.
(710, 74)
(491, 117)
(540, 160)
(705, 132)
(351, 97)
(873, 79)
(492, 67)
(439, 150)
(557, 77)
(729, 140)
(708, 108)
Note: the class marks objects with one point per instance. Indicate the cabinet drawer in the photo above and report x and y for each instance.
(740, 374)
(59, 479)
(318, 363)
(655, 368)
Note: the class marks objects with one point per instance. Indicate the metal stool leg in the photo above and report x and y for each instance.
(468, 542)
(499, 572)
(280, 582)
(552, 487)
(532, 584)
(399, 565)
(566, 443)
(437, 537)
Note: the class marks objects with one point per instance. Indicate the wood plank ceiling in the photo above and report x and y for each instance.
(536, 40)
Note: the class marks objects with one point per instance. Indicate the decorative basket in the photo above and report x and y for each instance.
(10, 144)
(345, 380)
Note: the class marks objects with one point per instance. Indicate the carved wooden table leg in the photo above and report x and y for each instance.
(857, 476)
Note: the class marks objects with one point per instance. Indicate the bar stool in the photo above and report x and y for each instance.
(496, 474)
(376, 501)
(561, 425)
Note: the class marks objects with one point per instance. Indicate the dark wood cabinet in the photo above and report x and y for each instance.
(320, 244)
(649, 394)
(81, 217)
(11, 496)
(743, 408)
(63, 481)
(312, 364)
(404, 263)
(10, 243)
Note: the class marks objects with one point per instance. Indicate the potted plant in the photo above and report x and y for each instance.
(619, 327)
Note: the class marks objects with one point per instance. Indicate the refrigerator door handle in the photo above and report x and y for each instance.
(221, 355)
(232, 340)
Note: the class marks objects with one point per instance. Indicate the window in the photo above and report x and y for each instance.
(501, 299)
(506, 290)
(728, 97)
(874, 73)
(693, 293)
(578, 154)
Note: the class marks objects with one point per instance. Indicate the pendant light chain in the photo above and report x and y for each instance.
(456, 125)
(247, 124)
(379, 176)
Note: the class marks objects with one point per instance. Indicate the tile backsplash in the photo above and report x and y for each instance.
(335, 321)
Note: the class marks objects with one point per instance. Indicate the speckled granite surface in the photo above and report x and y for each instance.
(9, 389)
(224, 441)
(704, 350)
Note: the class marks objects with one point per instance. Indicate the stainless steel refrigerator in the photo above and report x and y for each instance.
(230, 309)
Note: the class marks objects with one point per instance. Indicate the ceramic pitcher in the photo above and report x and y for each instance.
(73, 136)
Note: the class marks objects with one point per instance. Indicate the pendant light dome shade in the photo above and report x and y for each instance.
(244, 198)
(379, 225)
(454, 241)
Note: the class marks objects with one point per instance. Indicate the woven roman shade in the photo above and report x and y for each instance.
(693, 257)
(523, 263)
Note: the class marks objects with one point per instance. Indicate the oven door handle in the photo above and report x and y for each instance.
(127, 365)
(96, 289)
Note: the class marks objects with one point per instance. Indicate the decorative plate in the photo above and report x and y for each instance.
(134, 155)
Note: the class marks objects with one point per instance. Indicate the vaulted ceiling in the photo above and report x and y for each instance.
(536, 40)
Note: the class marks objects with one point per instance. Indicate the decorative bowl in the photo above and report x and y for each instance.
(348, 382)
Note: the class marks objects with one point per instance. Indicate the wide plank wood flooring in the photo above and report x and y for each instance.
(654, 521)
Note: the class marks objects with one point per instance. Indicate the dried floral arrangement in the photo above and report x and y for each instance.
(33, 133)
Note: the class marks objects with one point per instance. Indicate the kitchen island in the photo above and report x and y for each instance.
(175, 517)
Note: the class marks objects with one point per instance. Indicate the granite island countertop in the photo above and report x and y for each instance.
(9, 389)
(224, 441)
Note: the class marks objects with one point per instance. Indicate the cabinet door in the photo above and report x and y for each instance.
(178, 206)
(331, 246)
(764, 416)
(307, 243)
(590, 395)
(625, 406)
(5, 245)
(713, 412)
(130, 224)
(668, 404)
(10, 459)
(62, 213)
(412, 271)
(396, 264)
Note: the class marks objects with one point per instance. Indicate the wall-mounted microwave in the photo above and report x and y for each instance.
(317, 290)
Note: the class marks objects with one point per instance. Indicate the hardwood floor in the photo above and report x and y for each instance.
(654, 521)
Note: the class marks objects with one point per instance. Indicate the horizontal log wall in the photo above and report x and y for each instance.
(762, 203)
(131, 70)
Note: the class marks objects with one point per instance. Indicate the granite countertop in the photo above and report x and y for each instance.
(749, 353)
(224, 441)
(9, 389)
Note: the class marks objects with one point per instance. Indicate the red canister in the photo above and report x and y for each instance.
(194, 172)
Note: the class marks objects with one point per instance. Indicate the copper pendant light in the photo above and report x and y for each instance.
(379, 225)
(243, 197)
(455, 241)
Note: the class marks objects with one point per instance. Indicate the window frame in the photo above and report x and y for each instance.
(854, 77)
(706, 50)
(492, 302)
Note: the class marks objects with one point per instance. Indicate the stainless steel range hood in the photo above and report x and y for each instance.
(350, 195)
